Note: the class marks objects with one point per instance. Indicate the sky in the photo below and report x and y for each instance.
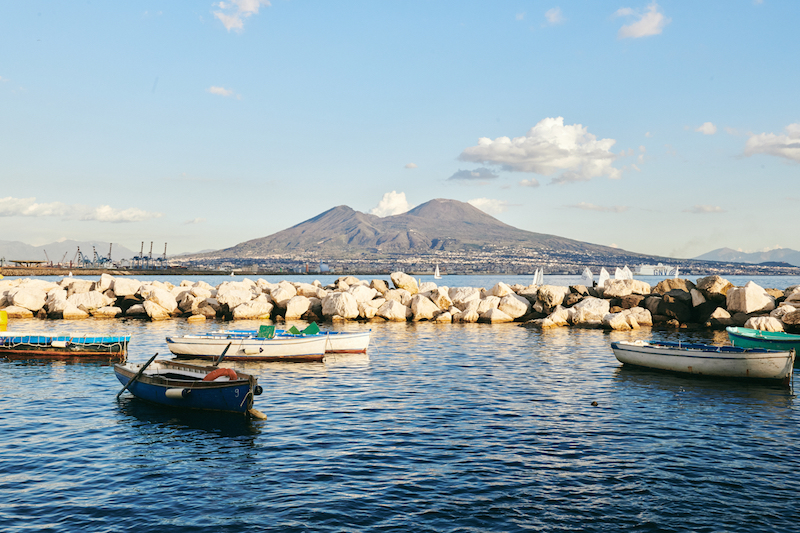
(667, 128)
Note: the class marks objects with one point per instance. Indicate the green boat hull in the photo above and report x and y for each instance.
(769, 340)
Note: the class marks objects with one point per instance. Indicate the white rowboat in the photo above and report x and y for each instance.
(704, 359)
(249, 348)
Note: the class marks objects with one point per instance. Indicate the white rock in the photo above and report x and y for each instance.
(427, 286)
(422, 308)
(404, 281)
(107, 312)
(155, 311)
(441, 298)
(764, 323)
(514, 306)
(589, 310)
(461, 295)
(617, 288)
(31, 299)
(782, 311)
(468, 316)
(14, 311)
(399, 295)
(444, 317)
(282, 294)
(501, 289)
(557, 318)
(252, 310)
(136, 310)
(73, 313)
(362, 293)
(106, 282)
(342, 304)
(495, 316)
(490, 302)
(365, 310)
(233, 298)
(641, 315)
(616, 321)
(297, 306)
(697, 297)
(552, 295)
(123, 287)
(90, 300)
(395, 311)
(749, 299)
(720, 314)
(161, 296)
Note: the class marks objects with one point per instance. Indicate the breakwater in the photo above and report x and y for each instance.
(711, 302)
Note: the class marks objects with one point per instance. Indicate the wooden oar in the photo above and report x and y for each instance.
(134, 378)
(223, 354)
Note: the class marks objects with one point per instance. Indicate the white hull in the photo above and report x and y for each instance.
(705, 360)
(311, 348)
(335, 341)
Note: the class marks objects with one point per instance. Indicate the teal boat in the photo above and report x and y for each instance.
(770, 340)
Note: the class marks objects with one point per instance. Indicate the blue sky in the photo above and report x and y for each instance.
(669, 128)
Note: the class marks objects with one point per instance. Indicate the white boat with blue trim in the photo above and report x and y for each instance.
(707, 360)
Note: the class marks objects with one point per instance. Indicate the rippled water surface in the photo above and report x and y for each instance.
(439, 428)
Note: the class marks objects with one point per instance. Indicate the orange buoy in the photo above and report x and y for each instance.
(211, 376)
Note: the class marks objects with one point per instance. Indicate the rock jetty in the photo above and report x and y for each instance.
(628, 304)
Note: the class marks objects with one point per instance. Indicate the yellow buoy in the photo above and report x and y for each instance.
(3, 317)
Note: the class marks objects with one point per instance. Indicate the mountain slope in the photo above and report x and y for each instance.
(779, 255)
(435, 225)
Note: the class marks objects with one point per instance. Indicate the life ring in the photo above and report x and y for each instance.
(211, 376)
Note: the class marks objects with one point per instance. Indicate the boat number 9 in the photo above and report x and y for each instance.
(236, 392)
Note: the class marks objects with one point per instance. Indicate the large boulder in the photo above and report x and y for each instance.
(31, 299)
(161, 296)
(284, 292)
(297, 307)
(71, 312)
(233, 298)
(764, 323)
(422, 308)
(15, 311)
(395, 311)
(362, 293)
(495, 316)
(106, 282)
(126, 287)
(155, 311)
(367, 311)
(379, 285)
(501, 289)
(617, 288)
(588, 311)
(107, 312)
(91, 300)
(460, 296)
(341, 304)
(253, 310)
(749, 299)
(441, 298)
(514, 306)
(552, 295)
(558, 318)
(78, 286)
(714, 288)
(137, 311)
(468, 315)
(669, 284)
(402, 280)
(399, 295)
(490, 302)
(530, 293)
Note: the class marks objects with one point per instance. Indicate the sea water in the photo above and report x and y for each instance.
(439, 427)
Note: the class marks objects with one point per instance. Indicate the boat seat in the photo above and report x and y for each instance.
(266, 332)
(294, 331)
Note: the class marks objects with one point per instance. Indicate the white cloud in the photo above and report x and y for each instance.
(704, 209)
(481, 173)
(592, 207)
(533, 182)
(707, 128)
(222, 91)
(195, 221)
(233, 12)
(488, 205)
(554, 16)
(787, 145)
(731, 131)
(547, 148)
(650, 22)
(392, 203)
(648, 134)
(411, 165)
(27, 207)
(520, 16)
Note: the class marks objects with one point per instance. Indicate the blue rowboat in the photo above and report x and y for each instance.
(186, 386)
(708, 360)
(63, 346)
(769, 340)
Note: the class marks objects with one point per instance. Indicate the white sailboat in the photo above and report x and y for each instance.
(587, 278)
(603, 277)
(436, 274)
(538, 277)
(627, 272)
(619, 274)
(676, 271)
